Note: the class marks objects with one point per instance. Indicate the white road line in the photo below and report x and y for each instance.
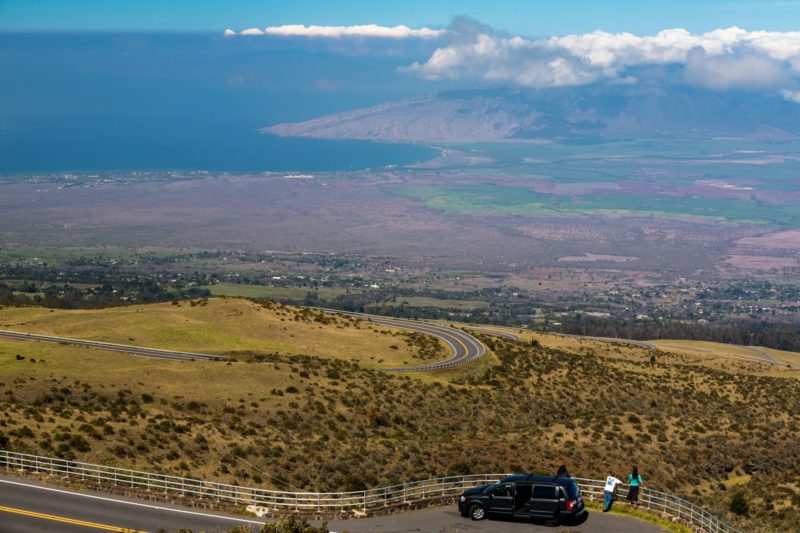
(135, 504)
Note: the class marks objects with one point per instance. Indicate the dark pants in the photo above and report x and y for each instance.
(608, 499)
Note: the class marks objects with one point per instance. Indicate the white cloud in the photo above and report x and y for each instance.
(251, 31)
(335, 32)
(719, 59)
(229, 32)
(792, 96)
(726, 71)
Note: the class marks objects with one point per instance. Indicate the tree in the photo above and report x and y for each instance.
(739, 504)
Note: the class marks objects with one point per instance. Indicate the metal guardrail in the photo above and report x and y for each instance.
(668, 504)
(319, 502)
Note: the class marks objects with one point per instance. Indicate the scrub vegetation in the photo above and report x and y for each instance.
(312, 422)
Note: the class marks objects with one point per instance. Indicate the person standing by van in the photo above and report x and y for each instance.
(635, 481)
(610, 492)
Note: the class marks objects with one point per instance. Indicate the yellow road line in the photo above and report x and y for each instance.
(67, 520)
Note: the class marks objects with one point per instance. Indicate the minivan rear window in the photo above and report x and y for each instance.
(572, 490)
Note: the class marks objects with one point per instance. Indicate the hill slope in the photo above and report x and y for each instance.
(495, 115)
(327, 423)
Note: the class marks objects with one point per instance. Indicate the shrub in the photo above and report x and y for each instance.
(739, 504)
(293, 525)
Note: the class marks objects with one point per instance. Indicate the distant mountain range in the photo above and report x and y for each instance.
(602, 109)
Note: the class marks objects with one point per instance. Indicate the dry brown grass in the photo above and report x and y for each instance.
(228, 326)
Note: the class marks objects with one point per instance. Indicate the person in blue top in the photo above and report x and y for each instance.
(635, 481)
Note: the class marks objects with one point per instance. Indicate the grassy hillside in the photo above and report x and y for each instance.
(227, 326)
(317, 422)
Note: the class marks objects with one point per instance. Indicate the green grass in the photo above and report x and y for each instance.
(269, 291)
(656, 177)
(422, 301)
(221, 326)
(622, 509)
(492, 198)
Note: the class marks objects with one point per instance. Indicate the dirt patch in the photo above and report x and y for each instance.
(761, 262)
(785, 240)
(593, 258)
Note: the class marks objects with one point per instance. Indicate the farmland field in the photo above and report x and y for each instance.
(721, 180)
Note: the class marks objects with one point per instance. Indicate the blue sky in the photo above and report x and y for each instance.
(522, 17)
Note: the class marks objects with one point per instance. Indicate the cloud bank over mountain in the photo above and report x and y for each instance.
(722, 59)
(719, 59)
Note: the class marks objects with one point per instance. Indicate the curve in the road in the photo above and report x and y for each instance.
(448, 519)
(32, 508)
(464, 347)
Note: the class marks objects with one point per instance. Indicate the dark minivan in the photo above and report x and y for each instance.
(554, 499)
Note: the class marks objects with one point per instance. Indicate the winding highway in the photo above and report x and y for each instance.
(464, 347)
(759, 355)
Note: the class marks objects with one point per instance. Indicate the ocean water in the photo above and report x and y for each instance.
(98, 102)
(106, 149)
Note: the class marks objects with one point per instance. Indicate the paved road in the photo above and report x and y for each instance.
(448, 520)
(761, 356)
(27, 507)
(154, 353)
(464, 347)
(494, 332)
(644, 344)
(510, 336)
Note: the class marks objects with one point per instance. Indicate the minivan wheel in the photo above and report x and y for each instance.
(477, 512)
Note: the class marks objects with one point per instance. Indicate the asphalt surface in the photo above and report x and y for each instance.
(153, 353)
(28, 507)
(448, 520)
(495, 333)
(760, 356)
(464, 347)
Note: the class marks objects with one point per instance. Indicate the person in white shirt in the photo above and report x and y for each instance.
(609, 492)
